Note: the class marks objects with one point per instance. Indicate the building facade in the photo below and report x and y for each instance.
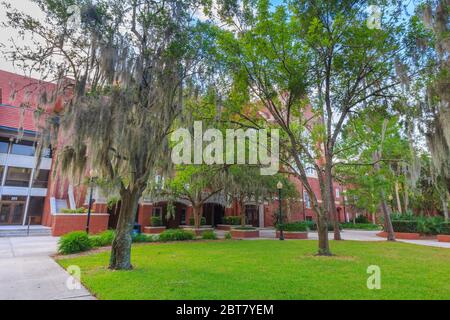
(39, 197)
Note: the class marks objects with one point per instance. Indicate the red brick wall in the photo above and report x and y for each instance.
(144, 215)
(65, 223)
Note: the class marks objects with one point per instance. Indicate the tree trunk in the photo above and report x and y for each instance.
(397, 196)
(387, 218)
(121, 247)
(406, 198)
(332, 204)
(322, 229)
(444, 200)
(197, 212)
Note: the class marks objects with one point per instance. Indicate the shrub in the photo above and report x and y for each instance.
(75, 211)
(313, 226)
(156, 222)
(103, 239)
(228, 236)
(176, 235)
(445, 228)
(209, 235)
(244, 228)
(294, 227)
(361, 219)
(360, 226)
(142, 238)
(429, 225)
(74, 242)
(202, 221)
(232, 220)
(405, 226)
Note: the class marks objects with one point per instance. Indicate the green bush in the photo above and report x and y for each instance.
(176, 235)
(209, 235)
(202, 221)
(228, 236)
(362, 219)
(74, 242)
(75, 211)
(313, 226)
(156, 222)
(360, 226)
(232, 220)
(429, 225)
(294, 227)
(103, 239)
(142, 238)
(244, 228)
(445, 228)
(409, 226)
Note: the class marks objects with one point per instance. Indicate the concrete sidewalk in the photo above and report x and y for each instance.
(27, 272)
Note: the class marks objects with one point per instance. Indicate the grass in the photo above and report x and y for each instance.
(269, 269)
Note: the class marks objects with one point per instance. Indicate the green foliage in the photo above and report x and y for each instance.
(209, 235)
(244, 228)
(156, 222)
(176, 235)
(232, 220)
(103, 239)
(74, 242)
(313, 226)
(75, 211)
(360, 226)
(228, 236)
(143, 238)
(192, 221)
(362, 219)
(445, 228)
(429, 225)
(408, 226)
(294, 227)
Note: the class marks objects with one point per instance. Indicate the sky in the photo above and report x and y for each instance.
(29, 7)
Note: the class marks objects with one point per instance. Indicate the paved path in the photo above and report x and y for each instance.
(360, 235)
(27, 272)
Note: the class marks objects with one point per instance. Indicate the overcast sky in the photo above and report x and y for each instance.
(8, 33)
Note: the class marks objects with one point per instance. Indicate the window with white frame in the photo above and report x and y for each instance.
(307, 200)
(310, 171)
(338, 193)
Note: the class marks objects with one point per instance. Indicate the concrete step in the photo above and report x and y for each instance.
(23, 232)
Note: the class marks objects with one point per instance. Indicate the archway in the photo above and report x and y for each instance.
(177, 219)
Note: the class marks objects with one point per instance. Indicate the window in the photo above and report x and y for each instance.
(36, 210)
(2, 169)
(310, 171)
(41, 180)
(4, 145)
(23, 148)
(307, 200)
(157, 212)
(338, 193)
(18, 177)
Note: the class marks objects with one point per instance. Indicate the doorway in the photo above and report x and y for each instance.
(12, 213)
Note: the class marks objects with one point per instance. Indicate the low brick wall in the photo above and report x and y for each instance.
(66, 223)
(244, 234)
(401, 235)
(294, 235)
(443, 238)
(154, 230)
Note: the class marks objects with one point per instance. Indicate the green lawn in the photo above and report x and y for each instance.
(269, 269)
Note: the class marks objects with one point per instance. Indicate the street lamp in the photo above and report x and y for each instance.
(92, 175)
(280, 218)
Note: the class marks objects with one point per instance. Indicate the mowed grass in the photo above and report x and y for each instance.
(269, 269)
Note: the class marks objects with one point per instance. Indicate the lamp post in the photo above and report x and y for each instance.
(91, 194)
(280, 218)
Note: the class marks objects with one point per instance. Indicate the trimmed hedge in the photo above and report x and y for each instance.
(360, 226)
(74, 242)
(176, 235)
(232, 220)
(361, 220)
(143, 238)
(445, 228)
(294, 227)
(408, 226)
(313, 226)
(245, 228)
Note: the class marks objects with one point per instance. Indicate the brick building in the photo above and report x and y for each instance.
(39, 197)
